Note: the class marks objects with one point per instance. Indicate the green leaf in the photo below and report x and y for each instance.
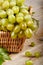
(1, 61)
(3, 55)
(3, 50)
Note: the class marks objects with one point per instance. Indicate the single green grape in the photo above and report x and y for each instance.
(29, 62)
(3, 28)
(27, 17)
(37, 54)
(10, 12)
(34, 27)
(10, 27)
(13, 35)
(2, 14)
(17, 29)
(30, 23)
(28, 54)
(28, 33)
(24, 7)
(19, 19)
(4, 22)
(23, 26)
(15, 9)
(20, 2)
(32, 44)
(1, 2)
(5, 5)
(24, 11)
(20, 34)
(12, 3)
(11, 18)
(20, 14)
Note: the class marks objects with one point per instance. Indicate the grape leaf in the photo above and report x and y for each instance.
(3, 55)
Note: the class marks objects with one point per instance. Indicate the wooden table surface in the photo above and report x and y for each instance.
(19, 59)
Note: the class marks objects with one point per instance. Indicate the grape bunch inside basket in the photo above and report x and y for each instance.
(16, 24)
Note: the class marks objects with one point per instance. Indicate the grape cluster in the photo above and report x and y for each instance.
(15, 18)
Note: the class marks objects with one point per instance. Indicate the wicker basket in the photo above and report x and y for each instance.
(12, 45)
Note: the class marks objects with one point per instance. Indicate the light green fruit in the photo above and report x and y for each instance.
(12, 3)
(10, 27)
(32, 44)
(28, 54)
(24, 11)
(4, 22)
(23, 26)
(24, 7)
(20, 14)
(34, 27)
(37, 54)
(19, 19)
(20, 34)
(10, 12)
(17, 29)
(3, 28)
(2, 14)
(28, 33)
(30, 23)
(20, 2)
(27, 17)
(13, 35)
(11, 18)
(5, 5)
(29, 62)
(15, 9)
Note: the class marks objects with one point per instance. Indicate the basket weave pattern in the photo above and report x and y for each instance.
(12, 45)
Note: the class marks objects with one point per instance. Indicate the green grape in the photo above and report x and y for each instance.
(11, 18)
(20, 2)
(13, 35)
(10, 12)
(20, 34)
(3, 28)
(19, 19)
(4, 22)
(17, 29)
(24, 11)
(32, 44)
(1, 2)
(10, 27)
(28, 32)
(20, 14)
(37, 54)
(5, 5)
(24, 7)
(27, 17)
(23, 26)
(34, 27)
(15, 9)
(28, 54)
(3, 14)
(12, 3)
(30, 23)
(29, 62)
